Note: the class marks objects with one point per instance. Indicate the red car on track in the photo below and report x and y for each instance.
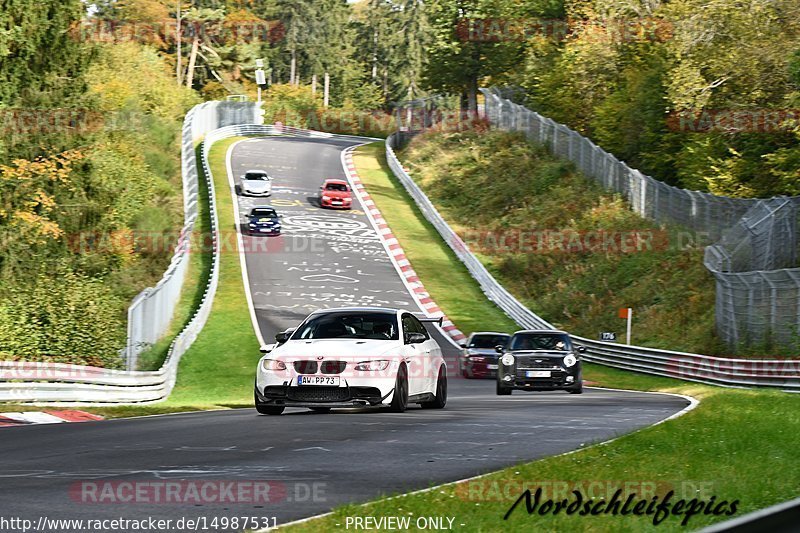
(335, 194)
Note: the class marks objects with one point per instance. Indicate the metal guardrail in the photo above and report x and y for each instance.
(23, 382)
(781, 518)
(784, 374)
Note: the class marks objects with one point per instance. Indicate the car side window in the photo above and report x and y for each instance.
(412, 325)
(408, 327)
(419, 327)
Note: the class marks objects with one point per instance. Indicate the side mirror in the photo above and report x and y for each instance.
(463, 345)
(266, 348)
(581, 349)
(283, 336)
(499, 348)
(415, 338)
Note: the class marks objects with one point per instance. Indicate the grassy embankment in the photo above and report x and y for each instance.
(736, 444)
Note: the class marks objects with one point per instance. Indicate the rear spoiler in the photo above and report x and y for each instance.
(437, 320)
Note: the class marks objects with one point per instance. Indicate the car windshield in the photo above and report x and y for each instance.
(540, 341)
(336, 187)
(263, 213)
(376, 326)
(256, 176)
(487, 341)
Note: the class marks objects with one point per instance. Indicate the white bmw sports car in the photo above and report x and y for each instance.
(358, 356)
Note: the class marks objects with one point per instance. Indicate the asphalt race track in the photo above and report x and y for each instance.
(324, 258)
(313, 462)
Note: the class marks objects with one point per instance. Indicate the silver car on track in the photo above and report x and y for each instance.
(255, 183)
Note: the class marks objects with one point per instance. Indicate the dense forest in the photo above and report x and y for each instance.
(92, 95)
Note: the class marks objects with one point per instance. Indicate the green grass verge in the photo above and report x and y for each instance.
(736, 445)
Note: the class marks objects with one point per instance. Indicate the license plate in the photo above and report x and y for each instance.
(331, 381)
(491, 367)
(538, 373)
(265, 230)
(337, 203)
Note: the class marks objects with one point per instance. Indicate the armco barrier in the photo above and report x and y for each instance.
(22, 382)
(784, 374)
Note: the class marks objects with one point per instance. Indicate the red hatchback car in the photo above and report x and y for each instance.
(335, 194)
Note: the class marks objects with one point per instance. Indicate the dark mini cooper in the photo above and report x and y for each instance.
(539, 360)
(263, 220)
(478, 358)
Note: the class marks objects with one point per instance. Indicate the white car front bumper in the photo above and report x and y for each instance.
(282, 388)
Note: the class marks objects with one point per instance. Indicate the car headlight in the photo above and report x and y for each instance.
(272, 364)
(570, 360)
(324, 197)
(348, 199)
(507, 359)
(372, 366)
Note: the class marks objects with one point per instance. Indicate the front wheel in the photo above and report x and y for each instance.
(441, 392)
(503, 391)
(400, 396)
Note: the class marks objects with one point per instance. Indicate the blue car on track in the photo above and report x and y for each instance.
(263, 220)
